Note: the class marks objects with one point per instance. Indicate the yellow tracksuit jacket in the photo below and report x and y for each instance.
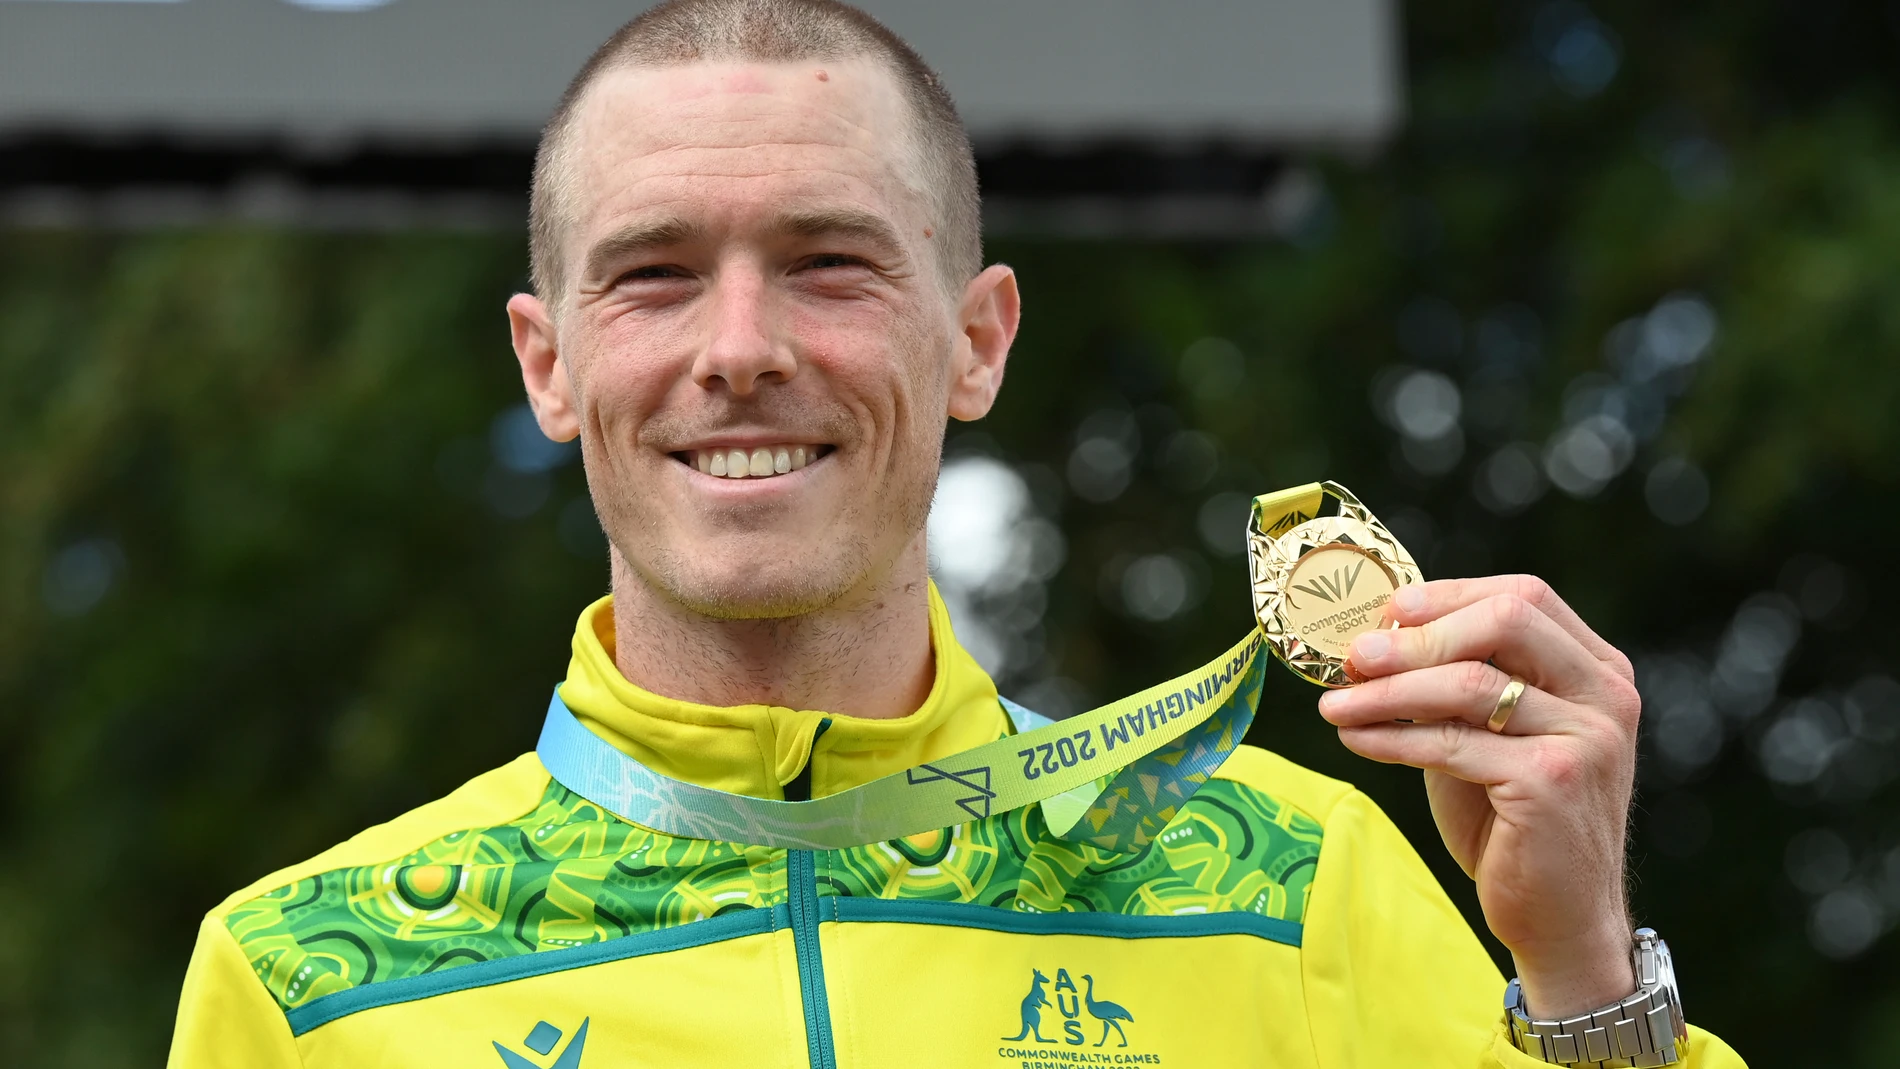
(1280, 920)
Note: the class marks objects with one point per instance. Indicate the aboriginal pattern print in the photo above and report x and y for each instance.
(1228, 849)
(1144, 798)
(568, 874)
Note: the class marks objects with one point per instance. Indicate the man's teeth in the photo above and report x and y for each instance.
(756, 464)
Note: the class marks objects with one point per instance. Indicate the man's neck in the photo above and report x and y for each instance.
(869, 658)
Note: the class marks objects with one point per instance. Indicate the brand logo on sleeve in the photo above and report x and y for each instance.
(1063, 1022)
(542, 1041)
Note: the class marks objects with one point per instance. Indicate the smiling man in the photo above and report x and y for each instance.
(759, 295)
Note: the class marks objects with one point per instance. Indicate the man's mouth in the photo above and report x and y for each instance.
(758, 462)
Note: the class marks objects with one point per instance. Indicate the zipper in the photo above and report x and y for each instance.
(801, 878)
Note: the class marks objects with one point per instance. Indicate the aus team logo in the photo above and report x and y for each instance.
(1068, 1012)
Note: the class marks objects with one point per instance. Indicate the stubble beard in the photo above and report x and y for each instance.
(841, 565)
(719, 591)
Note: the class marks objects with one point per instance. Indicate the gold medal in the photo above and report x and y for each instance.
(1321, 581)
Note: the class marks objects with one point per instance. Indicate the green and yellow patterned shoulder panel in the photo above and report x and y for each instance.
(1229, 848)
(565, 874)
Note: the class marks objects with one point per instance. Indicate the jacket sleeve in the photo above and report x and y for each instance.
(226, 1019)
(1393, 974)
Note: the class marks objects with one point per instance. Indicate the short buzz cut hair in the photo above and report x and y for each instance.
(681, 32)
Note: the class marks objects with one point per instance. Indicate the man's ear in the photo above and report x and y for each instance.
(543, 372)
(986, 326)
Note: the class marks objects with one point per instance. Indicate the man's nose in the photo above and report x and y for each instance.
(744, 348)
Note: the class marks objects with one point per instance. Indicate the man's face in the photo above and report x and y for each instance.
(760, 349)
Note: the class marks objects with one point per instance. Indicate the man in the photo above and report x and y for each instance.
(758, 297)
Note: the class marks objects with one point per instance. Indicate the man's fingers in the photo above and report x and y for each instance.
(1424, 602)
(1466, 692)
(1471, 754)
(1503, 629)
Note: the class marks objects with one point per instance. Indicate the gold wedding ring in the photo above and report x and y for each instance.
(1507, 704)
(1321, 581)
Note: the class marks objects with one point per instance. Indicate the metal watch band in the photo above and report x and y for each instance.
(1641, 1030)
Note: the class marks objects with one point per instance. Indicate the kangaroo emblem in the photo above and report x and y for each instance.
(1106, 1012)
(1032, 1010)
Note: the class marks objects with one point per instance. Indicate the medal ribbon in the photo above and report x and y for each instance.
(1113, 776)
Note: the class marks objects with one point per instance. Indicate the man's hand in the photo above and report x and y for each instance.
(1535, 814)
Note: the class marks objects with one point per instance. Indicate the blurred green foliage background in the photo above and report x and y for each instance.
(1621, 307)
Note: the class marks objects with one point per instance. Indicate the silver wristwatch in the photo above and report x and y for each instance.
(1643, 1029)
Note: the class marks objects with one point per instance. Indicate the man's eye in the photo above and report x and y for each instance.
(832, 259)
(652, 271)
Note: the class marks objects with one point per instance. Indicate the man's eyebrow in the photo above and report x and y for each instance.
(840, 222)
(636, 238)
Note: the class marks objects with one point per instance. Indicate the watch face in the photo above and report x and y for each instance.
(1666, 976)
